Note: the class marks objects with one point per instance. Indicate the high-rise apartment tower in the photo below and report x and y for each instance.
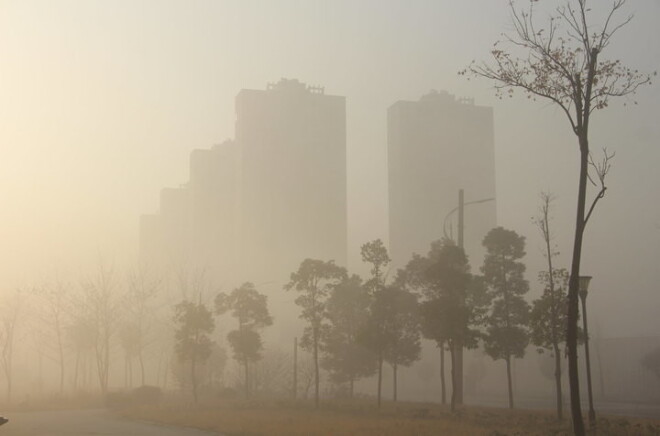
(293, 178)
(437, 146)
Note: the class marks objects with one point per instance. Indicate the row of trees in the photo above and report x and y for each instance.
(562, 62)
(195, 324)
(81, 328)
(75, 326)
(353, 326)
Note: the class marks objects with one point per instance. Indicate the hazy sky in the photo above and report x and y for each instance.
(101, 103)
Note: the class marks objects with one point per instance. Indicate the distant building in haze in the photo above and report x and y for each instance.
(254, 208)
(214, 186)
(196, 226)
(293, 177)
(436, 146)
(164, 237)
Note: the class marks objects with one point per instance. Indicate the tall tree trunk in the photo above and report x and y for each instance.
(316, 369)
(380, 376)
(508, 378)
(352, 387)
(394, 370)
(160, 362)
(40, 384)
(75, 372)
(443, 384)
(454, 393)
(601, 377)
(573, 289)
(193, 378)
(458, 387)
(87, 372)
(85, 376)
(61, 353)
(544, 225)
(141, 359)
(7, 370)
(130, 372)
(166, 373)
(295, 368)
(247, 377)
(558, 380)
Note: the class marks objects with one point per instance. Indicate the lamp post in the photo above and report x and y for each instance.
(459, 208)
(457, 363)
(584, 286)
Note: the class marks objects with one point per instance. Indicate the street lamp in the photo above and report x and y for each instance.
(457, 208)
(457, 375)
(584, 286)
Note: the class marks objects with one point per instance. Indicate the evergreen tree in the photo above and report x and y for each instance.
(392, 331)
(314, 280)
(250, 308)
(195, 324)
(454, 302)
(507, 335)
(345, 358)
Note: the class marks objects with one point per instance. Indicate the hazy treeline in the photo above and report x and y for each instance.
(106, 329)
(112, 329)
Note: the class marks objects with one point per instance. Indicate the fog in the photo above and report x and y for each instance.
(102, 103)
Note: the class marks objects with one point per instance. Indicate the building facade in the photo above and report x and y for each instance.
(255, 207)
(437, 146)
(293, 178)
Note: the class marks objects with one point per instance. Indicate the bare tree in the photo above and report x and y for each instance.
(129, 338)
(9, 319)
(549, 309)
(82, 339)
(143, 287)
(53, 311)
(563, 64)
(272, 374)
(99, 306)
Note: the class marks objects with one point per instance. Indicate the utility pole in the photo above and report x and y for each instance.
(458, 371)
(295, 368)
(457, 359)
(461, 206)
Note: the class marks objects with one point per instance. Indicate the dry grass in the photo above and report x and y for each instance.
(55, 402)
(362, 418)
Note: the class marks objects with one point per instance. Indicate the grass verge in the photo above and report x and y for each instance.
(255, 418)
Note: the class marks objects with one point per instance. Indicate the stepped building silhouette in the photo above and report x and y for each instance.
(256, 206)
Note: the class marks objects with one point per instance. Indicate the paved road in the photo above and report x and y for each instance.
(86, 422)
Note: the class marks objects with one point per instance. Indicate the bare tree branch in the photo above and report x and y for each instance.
(601, 169)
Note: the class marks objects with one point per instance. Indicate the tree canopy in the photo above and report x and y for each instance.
(314, 280)
(194, 325)
(506, 334)
(344, 356)
(250, 308)
(562, 62)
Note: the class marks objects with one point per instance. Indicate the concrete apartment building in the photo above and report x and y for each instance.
(255, 207)
(293, 178)
(164, 236)
(214, 183)
(196, 227)
(437, 146)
